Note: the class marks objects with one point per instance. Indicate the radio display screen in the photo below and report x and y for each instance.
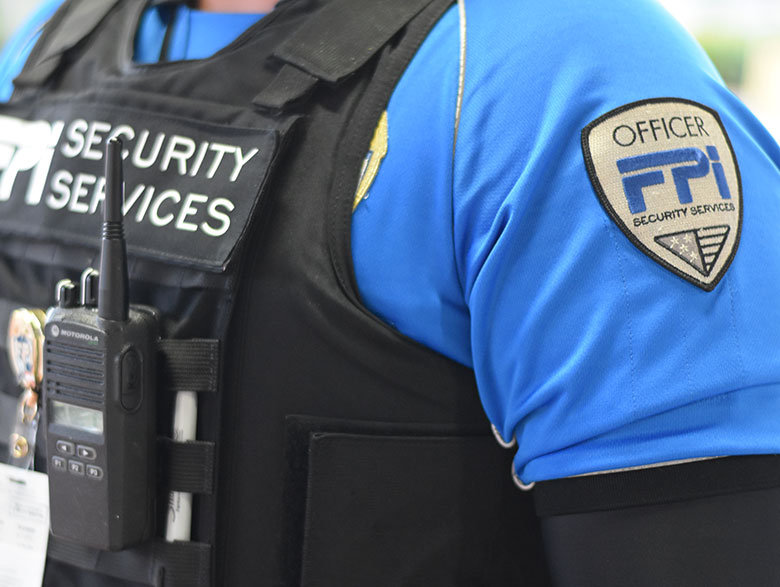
(85, 419)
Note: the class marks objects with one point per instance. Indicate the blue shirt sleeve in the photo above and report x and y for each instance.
(17, 49)
(587, 351)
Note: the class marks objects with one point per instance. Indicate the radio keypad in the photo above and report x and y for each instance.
(94, 472)
(74, 466)
(59, 463)
(65, 447)
(86, 452)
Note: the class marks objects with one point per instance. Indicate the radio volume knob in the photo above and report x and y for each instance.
(132, 391)
(67, 294)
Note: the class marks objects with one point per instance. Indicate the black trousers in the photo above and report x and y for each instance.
(727, 536)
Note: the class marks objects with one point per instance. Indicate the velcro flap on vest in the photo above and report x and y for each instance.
(187, 466)
(339, 40)
(404, 504)
(191, 188)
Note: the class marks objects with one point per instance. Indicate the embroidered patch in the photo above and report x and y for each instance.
(666, 173)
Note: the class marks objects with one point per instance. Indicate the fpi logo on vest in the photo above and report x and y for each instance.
(191, 187)
(666, 173)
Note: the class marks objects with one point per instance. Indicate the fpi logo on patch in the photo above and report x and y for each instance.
(666, 173)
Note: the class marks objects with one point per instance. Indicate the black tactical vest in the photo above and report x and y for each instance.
(334, 450)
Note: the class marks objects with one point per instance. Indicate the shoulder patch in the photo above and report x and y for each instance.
(665, 172)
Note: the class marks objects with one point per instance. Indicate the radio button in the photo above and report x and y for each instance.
(94, 472)
(58, 463)
(86, 452)
(76, 467)
(65, 447)
(132, 372)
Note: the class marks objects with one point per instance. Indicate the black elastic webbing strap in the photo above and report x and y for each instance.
(189, 365)
(187, 466)
(157, 563)
(334, 43)
(184, 564)
(67, 28)
(657, 485)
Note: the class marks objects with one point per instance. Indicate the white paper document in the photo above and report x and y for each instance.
(24, 526)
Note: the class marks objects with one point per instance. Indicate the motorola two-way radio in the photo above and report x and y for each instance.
(99, 396)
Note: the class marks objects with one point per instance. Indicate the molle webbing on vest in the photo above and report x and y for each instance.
(189, 365)
(187, 466)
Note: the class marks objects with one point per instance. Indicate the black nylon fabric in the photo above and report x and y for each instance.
(298, 348)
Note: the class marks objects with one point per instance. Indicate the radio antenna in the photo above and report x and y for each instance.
(113, 296)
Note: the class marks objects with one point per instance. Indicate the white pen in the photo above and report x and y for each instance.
(185, 417)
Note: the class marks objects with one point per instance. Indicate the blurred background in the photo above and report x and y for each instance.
(741, 36)
(11, 14)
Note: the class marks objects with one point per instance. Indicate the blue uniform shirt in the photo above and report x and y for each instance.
(501, 252)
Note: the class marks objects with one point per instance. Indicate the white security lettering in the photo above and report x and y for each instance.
(33, 145)
(215, 212)
(138, 153)
(131, 199)
(98, 194)
(45, 137)
(95, 135)
(75, 137)
(9, 127)
(27, 150)
(220, 151)
(154, 211)
(124, 131)
(241, 161)
(80, 191)
(202, 150)
(172, 151)
(60, 185)
(188, 209)
(148, 195)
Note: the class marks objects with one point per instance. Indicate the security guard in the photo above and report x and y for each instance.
(388, 213)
